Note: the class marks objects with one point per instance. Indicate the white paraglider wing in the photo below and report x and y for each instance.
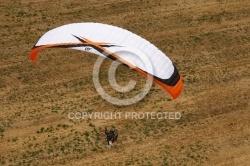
(117, 44)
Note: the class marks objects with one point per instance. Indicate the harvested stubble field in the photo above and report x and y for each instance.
(209, 41)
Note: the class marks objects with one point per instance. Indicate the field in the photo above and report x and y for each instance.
(209, 41)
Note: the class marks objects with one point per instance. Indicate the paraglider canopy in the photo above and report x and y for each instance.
(109, 41)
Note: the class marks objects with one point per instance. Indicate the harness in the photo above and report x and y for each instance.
(111, 136)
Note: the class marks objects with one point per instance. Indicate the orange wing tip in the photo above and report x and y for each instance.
(176, 95)
(34, 52)
(174, 91)
(33, 55)
(177, 89)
